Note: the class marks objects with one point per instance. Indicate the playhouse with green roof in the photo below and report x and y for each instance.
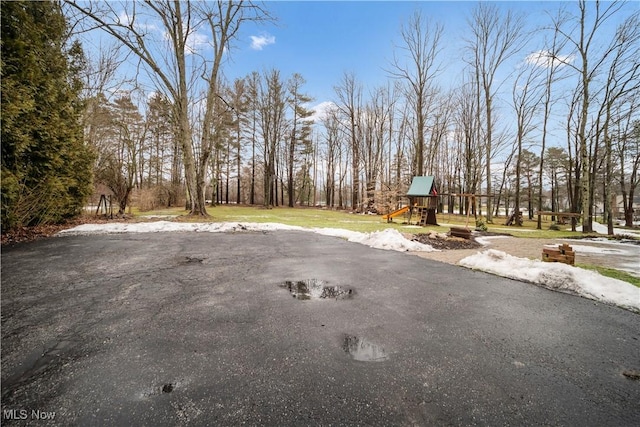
(423, 199)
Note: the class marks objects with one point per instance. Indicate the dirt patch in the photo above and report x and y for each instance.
(37, 232)
(520, 247)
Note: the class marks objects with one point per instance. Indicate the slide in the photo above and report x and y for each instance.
(395, 213)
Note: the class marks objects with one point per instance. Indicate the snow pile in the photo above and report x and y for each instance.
(391, 239)
(388, 239)
(557, 276)
(486, 240)
(160, 226)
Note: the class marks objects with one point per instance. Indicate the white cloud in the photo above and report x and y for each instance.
(259, 42)
(124, 18)
(320, 111)
(546, 59)
(196, 41)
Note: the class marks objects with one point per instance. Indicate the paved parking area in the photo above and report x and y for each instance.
(205, 329)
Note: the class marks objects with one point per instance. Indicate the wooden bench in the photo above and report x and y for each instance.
(564, 254)
(464, 233)
(561, 217)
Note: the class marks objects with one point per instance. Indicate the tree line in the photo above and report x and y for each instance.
(561, 132)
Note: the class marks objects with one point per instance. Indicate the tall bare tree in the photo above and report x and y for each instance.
(495, 37)
(167, 55)
(332, 135)
(620, 92)
(581, 33)
(526, 95)
(547, 59)
(419, 70)
(349, 93)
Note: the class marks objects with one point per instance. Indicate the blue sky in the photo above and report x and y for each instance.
(322, 40)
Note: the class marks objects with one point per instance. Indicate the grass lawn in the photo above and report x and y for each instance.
(325, 218)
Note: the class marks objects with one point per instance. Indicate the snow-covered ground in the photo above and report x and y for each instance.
(551, 275)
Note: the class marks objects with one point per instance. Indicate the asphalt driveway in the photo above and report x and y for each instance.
(215, 329)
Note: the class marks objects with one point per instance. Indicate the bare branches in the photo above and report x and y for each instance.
(422, 46)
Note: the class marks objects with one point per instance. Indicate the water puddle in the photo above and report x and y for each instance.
(316, 289)
(363, 350)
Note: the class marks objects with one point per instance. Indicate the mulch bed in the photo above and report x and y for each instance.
(437, 242)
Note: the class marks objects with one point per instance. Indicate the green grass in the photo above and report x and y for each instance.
(325, 218)
(613, 273)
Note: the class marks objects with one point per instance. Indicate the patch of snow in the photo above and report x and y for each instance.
(603, 229)
(389, 239)
(557, 276)
(593, 250)
(486, 240)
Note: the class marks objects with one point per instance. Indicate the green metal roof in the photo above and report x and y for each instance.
(421, 186)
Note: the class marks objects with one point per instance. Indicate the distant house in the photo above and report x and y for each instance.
(423, 198)
(618, 208)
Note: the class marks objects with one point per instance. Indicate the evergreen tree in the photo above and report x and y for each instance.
(46, 167)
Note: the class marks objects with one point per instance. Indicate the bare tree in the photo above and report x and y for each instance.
(168, 57)
(467, 127)
(581, 32)
(495, 37)
(349, 94)
(621, 88)
(332, 136)
(375, 134)
(526, 95)
(627, 137)
(422, 45)
(253, 82)
(547, 59)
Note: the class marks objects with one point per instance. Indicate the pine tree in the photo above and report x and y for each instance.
(46, 167)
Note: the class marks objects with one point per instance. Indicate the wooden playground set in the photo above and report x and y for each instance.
(423, 202)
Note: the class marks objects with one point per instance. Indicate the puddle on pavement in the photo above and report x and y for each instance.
(316, 289)
(363, 350)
